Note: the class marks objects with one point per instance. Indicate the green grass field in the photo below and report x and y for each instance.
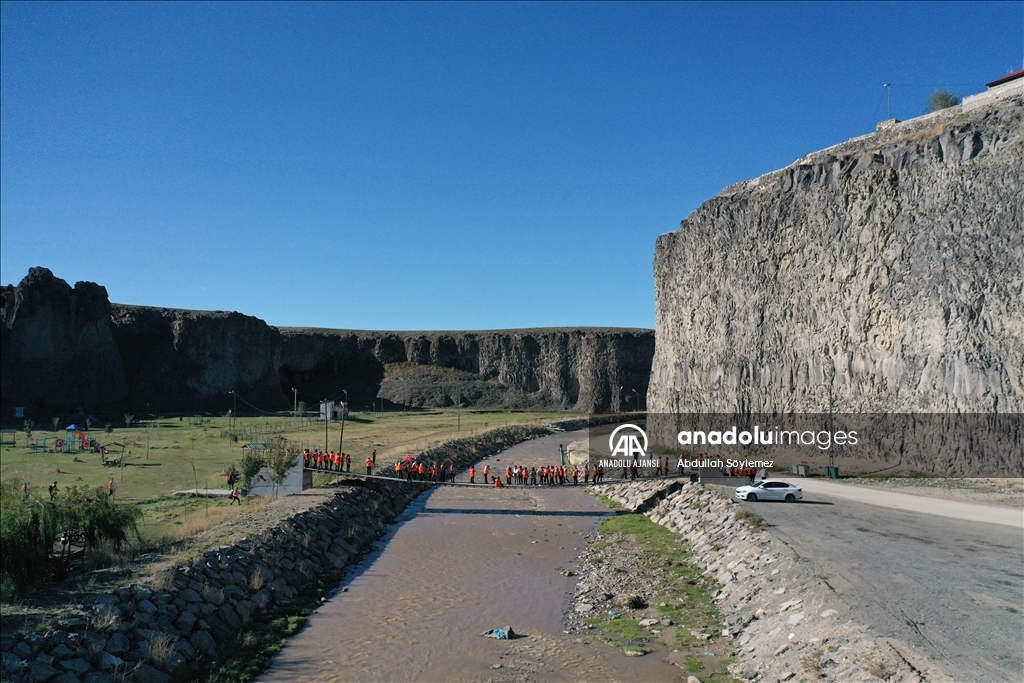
(184, 453)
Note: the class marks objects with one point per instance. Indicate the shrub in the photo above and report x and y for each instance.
(942, 99)
(251, 464)
(30, 527)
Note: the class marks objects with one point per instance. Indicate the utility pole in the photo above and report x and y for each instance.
(327, 421)
(344, 409)
(618, 400)
(295, 402)
(888, 90)
(234, 409)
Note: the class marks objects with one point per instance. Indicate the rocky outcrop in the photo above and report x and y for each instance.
(880, 275)
(65, 347)
(177, 359)
(56, 346)
(576, 368)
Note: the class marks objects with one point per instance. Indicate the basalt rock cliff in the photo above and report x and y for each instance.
(882, 275)
(64, 347)
(56, 345)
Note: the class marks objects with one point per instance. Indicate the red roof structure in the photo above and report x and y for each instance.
(1007, 78)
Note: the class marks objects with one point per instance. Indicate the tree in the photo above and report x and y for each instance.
(128, 419)
(942, 99)
(281, 460)
(151, 428)
(251, 464)
(55, 421)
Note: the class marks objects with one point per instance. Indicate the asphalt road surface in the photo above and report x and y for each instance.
(954, 588)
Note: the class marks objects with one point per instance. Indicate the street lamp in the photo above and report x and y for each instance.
(344, 409)
(618, 400)
(234, 409)
(327, 422)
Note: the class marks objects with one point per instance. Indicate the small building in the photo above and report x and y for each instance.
(1010, 84)
(332, 410)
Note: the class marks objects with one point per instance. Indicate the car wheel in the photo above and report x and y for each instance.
(790, 498)
(751, 497)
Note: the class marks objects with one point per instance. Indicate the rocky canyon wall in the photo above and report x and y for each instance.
(882, 275)
(64, 347)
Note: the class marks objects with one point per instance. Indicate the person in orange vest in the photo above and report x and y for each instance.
(487, 471)
(110, 488)
(398, 469)
(575, 475)
(472, 474)
(508, 475)
(423, 471)
(497, 482)
(586, 473)
(369, 465)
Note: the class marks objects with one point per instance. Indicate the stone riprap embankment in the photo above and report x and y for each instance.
(179, 624)
(172, 627)
(786, 623)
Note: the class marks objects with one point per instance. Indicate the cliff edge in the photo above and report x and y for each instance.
(881, 275)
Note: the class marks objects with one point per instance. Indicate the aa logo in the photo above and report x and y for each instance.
(625, 442)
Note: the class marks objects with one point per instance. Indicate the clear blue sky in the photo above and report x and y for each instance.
(430, 166)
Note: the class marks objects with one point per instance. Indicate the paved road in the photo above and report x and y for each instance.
(952, 587)
(974, 512)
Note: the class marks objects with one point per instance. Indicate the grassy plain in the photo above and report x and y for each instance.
(171, 454)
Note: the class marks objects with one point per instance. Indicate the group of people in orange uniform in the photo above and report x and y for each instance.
(413, 470)
(548, 475)
(328, 461)
(748, 472)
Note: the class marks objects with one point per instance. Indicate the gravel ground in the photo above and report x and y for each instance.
(985, 490)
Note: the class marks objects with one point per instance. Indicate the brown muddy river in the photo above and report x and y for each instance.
(458, 562)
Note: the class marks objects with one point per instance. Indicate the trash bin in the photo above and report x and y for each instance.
(832, 472)
(801, 469)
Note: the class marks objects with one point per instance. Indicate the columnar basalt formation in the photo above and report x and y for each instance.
(56, 345)
(64, 346)
(881, 275)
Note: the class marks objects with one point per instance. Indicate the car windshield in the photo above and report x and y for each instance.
(757, 485)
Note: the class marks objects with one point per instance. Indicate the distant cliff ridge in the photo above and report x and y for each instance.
(65, 347)
(883, 275)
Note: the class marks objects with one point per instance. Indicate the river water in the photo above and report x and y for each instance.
(460, 561)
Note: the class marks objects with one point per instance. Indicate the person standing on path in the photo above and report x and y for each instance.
(369, 465)
(487, 471)
(575, 475)
(231, 478)
(348, 462)
(472, 474)
(53, 490)
(110, 488)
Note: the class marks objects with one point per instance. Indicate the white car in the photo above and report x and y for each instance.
(769, 489)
